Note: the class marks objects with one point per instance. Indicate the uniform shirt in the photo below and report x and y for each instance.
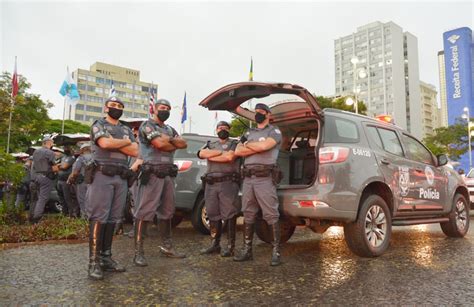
(64, 173)
(43, 159)
(102, 128)
(216, 167)
(147, 132)
(257, 134)
(81, 162)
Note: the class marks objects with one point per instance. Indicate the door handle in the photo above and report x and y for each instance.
(385, 161)
(418, 170)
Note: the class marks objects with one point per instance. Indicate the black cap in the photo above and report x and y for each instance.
(164, 102)
(222, 123)
(262, 106)
(115, 99)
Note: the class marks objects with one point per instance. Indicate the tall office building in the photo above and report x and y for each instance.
(430, 112)
(386, 73)
(94, 88)
(443, 118)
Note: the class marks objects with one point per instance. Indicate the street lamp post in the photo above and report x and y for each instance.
(467, 116)
(356, 75)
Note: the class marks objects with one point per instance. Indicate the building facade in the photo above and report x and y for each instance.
(443, 118)
(94, 88)
(391, 83)
(430, 113)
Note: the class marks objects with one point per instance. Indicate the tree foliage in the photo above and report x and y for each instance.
(451, 140)
(70, 126)
(340, 103)
(238, 126)
(10, 171)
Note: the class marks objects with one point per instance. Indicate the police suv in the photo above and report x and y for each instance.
(349, 170)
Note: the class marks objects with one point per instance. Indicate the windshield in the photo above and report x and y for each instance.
(190, 151)
(470, 174)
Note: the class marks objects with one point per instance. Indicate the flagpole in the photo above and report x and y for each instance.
(10, 124)
(64, 114)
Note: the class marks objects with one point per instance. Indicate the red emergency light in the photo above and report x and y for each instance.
(385, 118)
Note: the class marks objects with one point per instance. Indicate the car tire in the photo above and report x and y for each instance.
(458, 224)
(199, 217)
(55, 206)
(369, 235)
(264, 232)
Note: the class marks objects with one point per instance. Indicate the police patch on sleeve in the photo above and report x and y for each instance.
(95, 129)
(277, 131)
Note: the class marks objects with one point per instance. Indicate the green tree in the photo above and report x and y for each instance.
(29, 116)
(451, 140)
(70, 126)
(10, 170)
(238, 126)
(340, 103)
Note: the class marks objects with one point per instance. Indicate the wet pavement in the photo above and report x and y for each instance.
(422, 266)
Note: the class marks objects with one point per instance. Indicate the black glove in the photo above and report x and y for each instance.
(243, 139)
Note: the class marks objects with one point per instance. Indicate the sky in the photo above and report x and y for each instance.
(198, 47)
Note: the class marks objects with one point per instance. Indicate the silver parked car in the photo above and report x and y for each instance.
(344, 169)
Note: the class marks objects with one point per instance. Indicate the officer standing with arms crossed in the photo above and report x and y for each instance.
(222, 189)
(260, 147)
(158, 142)
(43, 176)
(112, 143)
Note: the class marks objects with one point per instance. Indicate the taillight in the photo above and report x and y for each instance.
(183, 165)
(333, 155)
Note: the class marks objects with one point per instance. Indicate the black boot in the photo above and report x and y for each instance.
(246, 253)
(95, 244)
(139, 229)
(166, 247)
(216, 232)
(106, 261)
(275, 228)
(229, 251)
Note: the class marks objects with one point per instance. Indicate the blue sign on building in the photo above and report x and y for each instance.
(458, 57)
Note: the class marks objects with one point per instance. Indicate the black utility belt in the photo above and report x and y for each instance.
(160, 170)
(258, 171)
(113, 170)
(222, 178)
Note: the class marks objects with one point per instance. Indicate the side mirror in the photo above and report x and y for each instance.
(442, 160)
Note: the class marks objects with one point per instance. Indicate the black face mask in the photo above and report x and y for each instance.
(163, 115)
(223, 134)
(260, 118)
(115, 113)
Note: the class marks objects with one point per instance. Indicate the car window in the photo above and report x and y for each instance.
(390, 141)
(338, 130)
(374, 136)
(191, 150)
(416, 151)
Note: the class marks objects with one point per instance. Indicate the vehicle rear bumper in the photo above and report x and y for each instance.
(320, 211)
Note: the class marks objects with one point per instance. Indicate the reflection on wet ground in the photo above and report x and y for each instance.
(421, 266)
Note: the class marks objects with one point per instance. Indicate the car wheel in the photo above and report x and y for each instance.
(264, 231)
(458, 223)
(55, 206)
(369, 235)
(199, 217)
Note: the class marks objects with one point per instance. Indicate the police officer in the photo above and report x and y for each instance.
(65, 191)
(112, 143)
(221, 189)
(43, 174)
(77, 176)
(158, 143)
(260, 147)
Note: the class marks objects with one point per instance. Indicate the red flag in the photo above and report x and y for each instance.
(14, 82)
